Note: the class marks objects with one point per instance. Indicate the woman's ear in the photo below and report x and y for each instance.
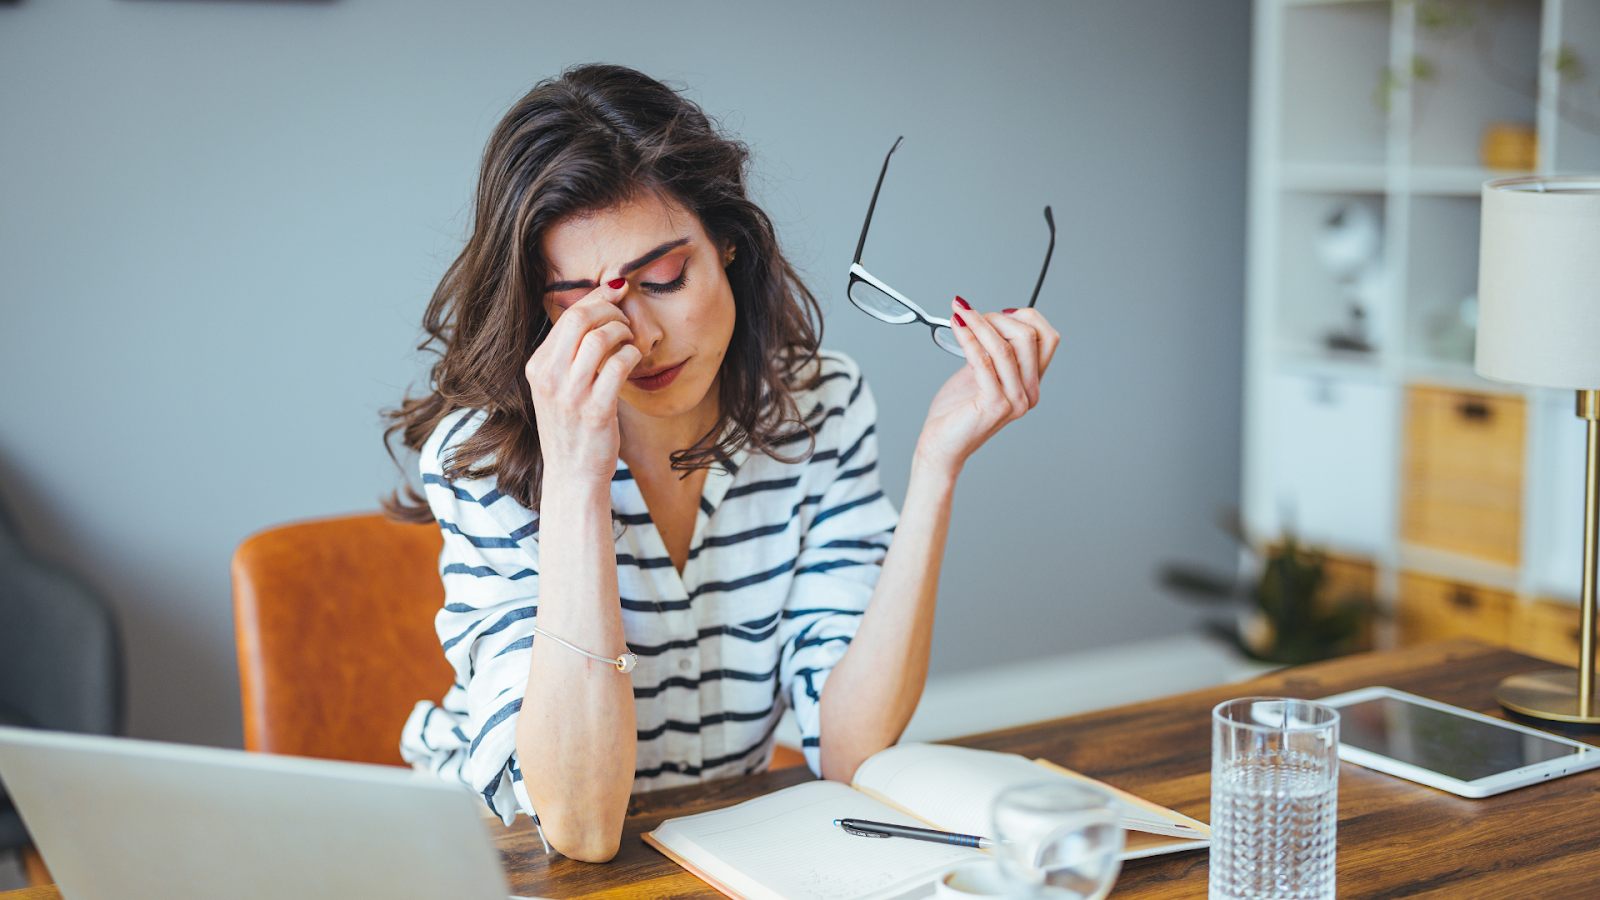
(728, 253)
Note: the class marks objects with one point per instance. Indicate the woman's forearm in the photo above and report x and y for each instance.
(576, 734)
(873, 690)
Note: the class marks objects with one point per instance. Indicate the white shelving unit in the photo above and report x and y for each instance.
(1324, 443)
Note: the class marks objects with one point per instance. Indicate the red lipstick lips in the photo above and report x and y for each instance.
(658, 379)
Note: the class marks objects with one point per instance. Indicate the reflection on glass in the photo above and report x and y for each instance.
(1439, 741)
(1058, 841)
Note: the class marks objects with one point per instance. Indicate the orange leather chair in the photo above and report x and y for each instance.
(784, 757)
(334, 620)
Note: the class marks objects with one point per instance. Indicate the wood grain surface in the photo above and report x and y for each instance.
(1396, 838)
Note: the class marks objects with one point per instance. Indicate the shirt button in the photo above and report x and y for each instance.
(685, 664)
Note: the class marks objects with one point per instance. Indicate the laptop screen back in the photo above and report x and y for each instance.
(119, 818)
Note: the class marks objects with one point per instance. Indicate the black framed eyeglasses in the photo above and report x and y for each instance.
(886, 304)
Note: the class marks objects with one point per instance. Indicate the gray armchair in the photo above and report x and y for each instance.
(60, 655)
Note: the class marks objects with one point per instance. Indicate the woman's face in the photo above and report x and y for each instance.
(678, 300)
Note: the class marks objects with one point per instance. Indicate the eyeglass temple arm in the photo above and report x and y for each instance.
(874, 204)
(1047, 254)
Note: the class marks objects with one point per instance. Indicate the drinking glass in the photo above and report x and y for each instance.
(1274, 799)
(1058, 840)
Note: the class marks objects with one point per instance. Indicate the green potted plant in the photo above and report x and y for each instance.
(1287, 612)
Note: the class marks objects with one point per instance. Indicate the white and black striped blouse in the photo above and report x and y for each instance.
(783, 560)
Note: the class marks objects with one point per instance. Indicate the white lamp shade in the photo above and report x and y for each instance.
(1539, 282)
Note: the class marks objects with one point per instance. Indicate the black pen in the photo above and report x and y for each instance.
(865, 828)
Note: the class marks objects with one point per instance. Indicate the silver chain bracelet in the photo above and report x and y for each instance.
(624, 663)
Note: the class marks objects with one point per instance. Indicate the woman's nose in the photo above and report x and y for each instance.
(646, 330)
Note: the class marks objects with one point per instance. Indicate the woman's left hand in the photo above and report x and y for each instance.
(1007, 354)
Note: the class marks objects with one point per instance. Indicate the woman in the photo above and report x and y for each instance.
(634, 444)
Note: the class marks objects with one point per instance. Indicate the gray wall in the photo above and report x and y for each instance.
(220, 221)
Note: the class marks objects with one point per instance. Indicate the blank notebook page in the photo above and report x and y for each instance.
(786, 845)
(955, 787)
(952, 787)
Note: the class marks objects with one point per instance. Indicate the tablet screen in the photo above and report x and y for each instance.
(1433, 739)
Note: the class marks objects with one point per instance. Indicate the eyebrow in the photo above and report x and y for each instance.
(627, 267)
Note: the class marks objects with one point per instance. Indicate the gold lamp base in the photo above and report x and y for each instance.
(1566, 698)
(1550, 695)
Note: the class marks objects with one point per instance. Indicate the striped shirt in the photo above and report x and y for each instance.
(782, 563)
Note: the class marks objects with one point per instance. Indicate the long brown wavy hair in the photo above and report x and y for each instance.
(595, 137)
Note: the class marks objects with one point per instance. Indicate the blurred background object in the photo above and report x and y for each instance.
(1350, 245)
(1510, 145)
(1459, 495)
(1292, 605)
(60, 660)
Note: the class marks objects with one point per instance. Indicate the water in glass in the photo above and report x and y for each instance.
(1274, 801)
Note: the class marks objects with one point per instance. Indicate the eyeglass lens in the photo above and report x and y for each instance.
(879, 304)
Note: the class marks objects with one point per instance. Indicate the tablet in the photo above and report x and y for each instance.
(1447, 747)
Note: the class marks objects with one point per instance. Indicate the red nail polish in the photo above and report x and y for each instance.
(957, 319)
(1009, 311)
(616, 284)
(962, 303)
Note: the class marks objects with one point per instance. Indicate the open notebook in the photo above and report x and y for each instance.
(785, 845)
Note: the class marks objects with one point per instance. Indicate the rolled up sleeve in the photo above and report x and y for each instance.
(489, 566)
(840, 559)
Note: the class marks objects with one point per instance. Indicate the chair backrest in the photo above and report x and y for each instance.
(61, 663)
(334, 620)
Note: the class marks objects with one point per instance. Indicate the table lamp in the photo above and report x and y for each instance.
(1539, 324)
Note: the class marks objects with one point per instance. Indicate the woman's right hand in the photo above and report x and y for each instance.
(575, 376)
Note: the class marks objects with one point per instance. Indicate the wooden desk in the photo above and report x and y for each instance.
(1396, 838)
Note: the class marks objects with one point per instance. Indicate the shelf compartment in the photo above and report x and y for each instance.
(1313, 302)
(1462, 471)
(1333, 58)
(1436, 609)
(1328, 476)
(1482, 71)
(1578, 124)
(1442, 279)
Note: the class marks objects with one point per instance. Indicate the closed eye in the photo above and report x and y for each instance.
(668, 287)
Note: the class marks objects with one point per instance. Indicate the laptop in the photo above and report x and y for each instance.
(116, 818)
